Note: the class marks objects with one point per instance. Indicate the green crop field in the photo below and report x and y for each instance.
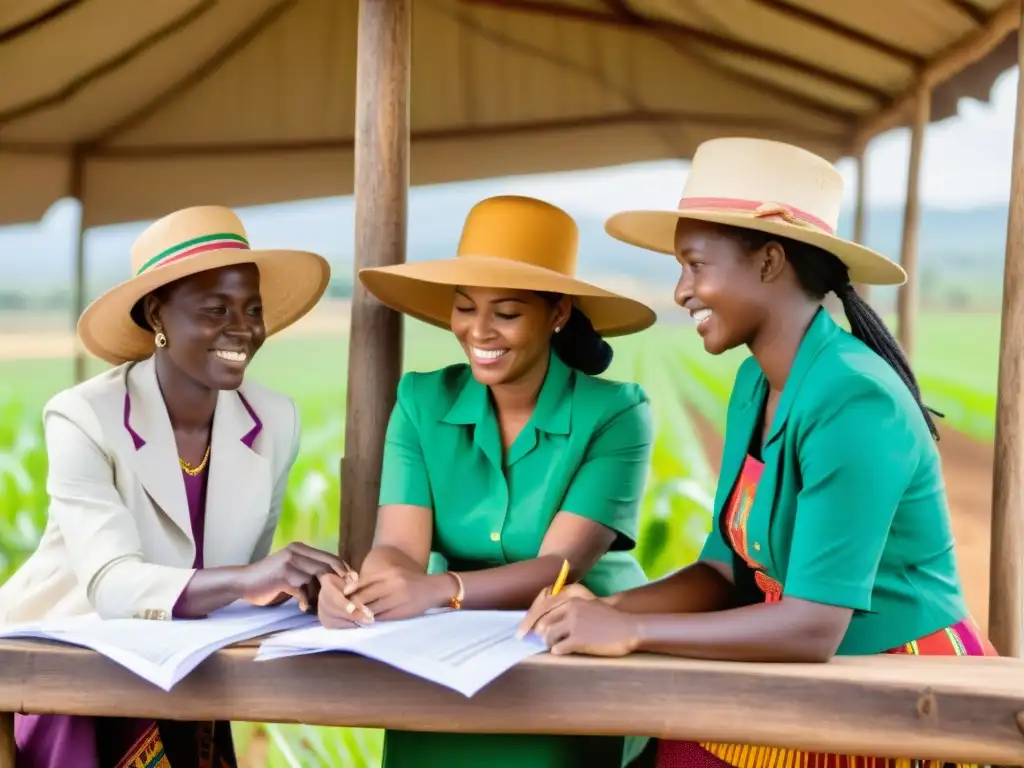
(956, 359)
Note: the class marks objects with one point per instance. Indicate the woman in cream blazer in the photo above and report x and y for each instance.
(167, 473)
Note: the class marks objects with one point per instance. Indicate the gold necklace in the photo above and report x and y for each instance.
(193, 471)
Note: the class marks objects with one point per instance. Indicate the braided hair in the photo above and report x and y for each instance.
(819, 273)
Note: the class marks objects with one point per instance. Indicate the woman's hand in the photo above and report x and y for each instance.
(587, 626)
(544, 603)
(394, 592)
(290, 572)
(334, 609)
(576, 621)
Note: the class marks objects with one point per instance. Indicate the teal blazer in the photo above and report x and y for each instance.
(850, 509)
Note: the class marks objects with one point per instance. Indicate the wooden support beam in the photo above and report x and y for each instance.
(822, 21)
(860, 214)
(954, 59)
(77, 191)
(906, 300)
(1006, 570)
(969, 9)
(8, 749)
(957, 709)
(383, 82)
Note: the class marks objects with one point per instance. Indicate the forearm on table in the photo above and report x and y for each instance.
(209, 590)
(786, 631)
(697, 588)
(508, 587)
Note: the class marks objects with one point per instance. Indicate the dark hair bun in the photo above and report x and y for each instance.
(579, 346)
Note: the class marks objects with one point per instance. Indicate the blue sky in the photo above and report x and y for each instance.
(966, 164)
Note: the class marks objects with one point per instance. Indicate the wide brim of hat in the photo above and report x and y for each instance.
(655, 231)
(291, 283)
(426, 290)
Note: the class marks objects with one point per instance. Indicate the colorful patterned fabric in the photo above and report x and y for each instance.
(736, 516)
(165, 744)
(961, 639)
(147, 752)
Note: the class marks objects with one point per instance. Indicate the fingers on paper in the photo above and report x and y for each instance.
(556, 631)
(333, 600)
(538, 616)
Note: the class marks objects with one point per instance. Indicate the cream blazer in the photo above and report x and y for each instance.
(119, 540)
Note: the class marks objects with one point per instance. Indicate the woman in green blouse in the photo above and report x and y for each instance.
(509, 464)
(831, 529)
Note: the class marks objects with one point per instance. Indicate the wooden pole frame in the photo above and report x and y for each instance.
(8, 747)
(1006, 568)
(382, 140)
(860, 212)
(888, 705)
(79, 293)
(955, 59)
(907, 297)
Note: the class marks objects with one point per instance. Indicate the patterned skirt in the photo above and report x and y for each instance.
(962, 639)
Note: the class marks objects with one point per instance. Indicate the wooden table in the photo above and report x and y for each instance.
(953, 709)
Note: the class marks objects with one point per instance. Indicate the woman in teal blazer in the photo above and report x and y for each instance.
(831, 528)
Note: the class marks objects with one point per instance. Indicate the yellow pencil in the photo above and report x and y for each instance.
(562, 576)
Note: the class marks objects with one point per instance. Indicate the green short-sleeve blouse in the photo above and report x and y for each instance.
(585, 450)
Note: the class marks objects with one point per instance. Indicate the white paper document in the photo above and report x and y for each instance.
(461, 650)
(164, 652)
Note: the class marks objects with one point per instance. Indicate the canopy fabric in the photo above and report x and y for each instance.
(143, 107)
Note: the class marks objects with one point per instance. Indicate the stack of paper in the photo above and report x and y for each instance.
(462, 650)
(164, 652)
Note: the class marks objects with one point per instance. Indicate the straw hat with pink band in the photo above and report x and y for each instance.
(182, 244)
(762, 185)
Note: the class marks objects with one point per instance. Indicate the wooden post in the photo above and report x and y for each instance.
(860, 214)
(1006, 569)
(7, 745)
(381, 195)
(77, 190)
(906, 300)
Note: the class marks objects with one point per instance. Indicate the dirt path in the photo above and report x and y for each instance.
(967, 466)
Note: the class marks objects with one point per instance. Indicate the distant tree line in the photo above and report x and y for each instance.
(60, 299)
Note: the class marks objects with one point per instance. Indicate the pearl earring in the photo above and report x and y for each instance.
(558, 328)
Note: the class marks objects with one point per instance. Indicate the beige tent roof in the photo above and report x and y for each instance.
(175, 102)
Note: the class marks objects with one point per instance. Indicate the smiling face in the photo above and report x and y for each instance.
(724, 286)
(506, 333)
(213, 322)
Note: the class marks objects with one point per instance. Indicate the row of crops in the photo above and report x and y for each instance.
(679, 378)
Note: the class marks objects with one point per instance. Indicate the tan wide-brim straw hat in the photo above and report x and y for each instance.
(185, 243)
(511, 242)
(766, 186)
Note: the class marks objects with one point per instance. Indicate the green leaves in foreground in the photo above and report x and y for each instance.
(23, 500)
(306, 746)
(676, 510)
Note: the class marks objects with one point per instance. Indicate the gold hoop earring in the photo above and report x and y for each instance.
(160, 339)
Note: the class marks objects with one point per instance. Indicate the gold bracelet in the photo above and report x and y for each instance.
(456, 601)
